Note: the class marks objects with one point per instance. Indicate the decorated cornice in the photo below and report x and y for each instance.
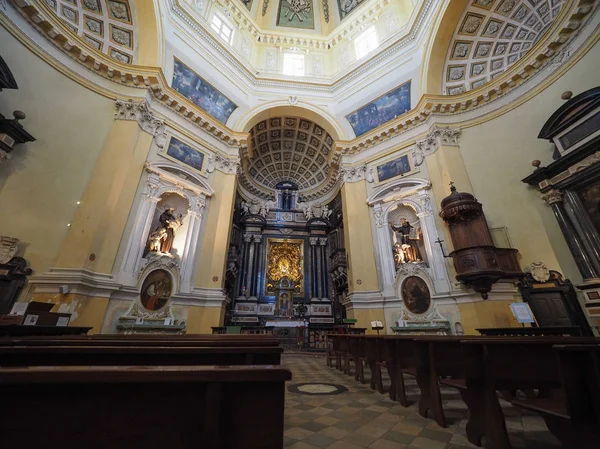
(223, 164)
(356, 173)
(368, 12)
(592, 159)
(435, 138)
(554, 48)
(130, 110)
(190, 182)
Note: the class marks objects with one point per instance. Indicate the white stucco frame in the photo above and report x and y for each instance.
(414, 193)
(165, 177)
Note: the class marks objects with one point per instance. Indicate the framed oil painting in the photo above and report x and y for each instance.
(415, 295)
(201, 93)
(181, 152)
(296, 14)
(347, 6)
(156, 290)
(383, 109)
(391, 169)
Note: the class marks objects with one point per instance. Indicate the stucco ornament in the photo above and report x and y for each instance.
(8, 248)
(539, 271)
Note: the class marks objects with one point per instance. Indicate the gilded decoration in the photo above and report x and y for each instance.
(284, 264)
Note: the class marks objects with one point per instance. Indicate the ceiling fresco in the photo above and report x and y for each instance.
(491, 36)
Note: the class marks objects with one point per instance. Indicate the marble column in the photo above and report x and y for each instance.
(314, 290)
(555, 199)
(254, 282)
(245, 265)
(323, 267)
(586, 229)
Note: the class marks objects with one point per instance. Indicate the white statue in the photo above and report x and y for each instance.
(307, 209)
(245, 208)
(326, 212)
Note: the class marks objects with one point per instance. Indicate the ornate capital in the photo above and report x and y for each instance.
(247, 238)
(436, 138)
(553, 196)
(313, 241)
(130, 110)
(223, 164)
(322, 241)
(378, 212)
(353, 174)
(198, 205)
(257, 238)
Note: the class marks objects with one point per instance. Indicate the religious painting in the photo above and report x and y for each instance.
(156, 290)
(590, 198)
(296, 14)
(182, 152)
(285, 265)
(201, 93)
(393, 168)
(247, 4)
(385, 108)
(347, 6)
(415, 295)
(285, 304)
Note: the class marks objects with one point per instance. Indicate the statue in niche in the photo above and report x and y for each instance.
(406, 249)
(161, 240)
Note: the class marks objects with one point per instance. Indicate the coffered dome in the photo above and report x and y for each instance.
(105, 25)
(491, 36)
(290, 149)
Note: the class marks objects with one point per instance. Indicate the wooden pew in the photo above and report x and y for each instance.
(144, 340)
(138, 355)
(574, 420)
(507, 364)
(150, 407)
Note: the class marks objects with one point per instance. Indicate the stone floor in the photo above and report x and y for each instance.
(349, 415)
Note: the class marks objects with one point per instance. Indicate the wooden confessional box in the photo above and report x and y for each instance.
(570, 185)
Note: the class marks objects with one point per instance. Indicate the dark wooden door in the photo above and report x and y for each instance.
(549, 309)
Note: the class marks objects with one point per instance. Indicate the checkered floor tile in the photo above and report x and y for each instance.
(363, 418)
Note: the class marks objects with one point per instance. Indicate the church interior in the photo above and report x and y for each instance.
(383, 214)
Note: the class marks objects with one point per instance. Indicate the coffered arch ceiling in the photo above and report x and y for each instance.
(491, 36)
(104, 25)
(290, 149)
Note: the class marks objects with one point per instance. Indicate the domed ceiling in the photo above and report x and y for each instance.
(491, 36)
(105, 25)
(290, 149)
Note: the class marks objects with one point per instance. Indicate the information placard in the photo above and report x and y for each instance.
(522, 312)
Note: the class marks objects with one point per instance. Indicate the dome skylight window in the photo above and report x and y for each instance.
(293, 64)
(223, 28)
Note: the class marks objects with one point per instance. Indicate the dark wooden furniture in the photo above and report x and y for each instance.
(13, 276)
(151, 407)
(24, 331)
(572, 331)
(478, 263)
(554, 302)
(574, 419)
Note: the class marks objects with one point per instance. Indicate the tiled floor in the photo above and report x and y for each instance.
(363, 418)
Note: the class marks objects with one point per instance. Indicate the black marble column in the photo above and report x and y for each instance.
(555, 199)
(257, 239)
(245, 263)
(314, 268)
(586, 229)
(323, 267)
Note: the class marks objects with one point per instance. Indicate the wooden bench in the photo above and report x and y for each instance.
(150, 407)
(506, 365)
(138, 355)
(574, 419)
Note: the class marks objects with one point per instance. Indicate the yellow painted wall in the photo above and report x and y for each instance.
(482, 314)
(101, 218)
(498, 154)
(201, 319)
(215, 244)
(365, 316)
(148, 26)
(358, 238)
(41, 184)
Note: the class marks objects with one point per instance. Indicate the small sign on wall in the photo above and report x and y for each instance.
(522, 312)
